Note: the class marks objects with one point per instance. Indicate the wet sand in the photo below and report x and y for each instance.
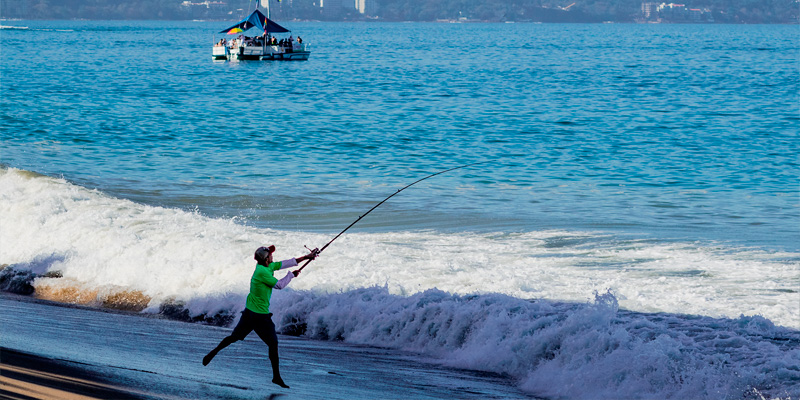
(55, 351)
(27, 376)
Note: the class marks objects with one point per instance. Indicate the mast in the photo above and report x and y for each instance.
(265, 3)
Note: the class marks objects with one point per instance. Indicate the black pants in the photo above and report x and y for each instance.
(261, 323)
(264, 327)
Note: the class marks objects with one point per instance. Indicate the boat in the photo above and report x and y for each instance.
(266, 46)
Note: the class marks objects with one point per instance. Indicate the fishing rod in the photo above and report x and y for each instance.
(383, 201)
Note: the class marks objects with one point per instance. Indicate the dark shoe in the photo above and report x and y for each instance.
(278, 381)
(210, 356)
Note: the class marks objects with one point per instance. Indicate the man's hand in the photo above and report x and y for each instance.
(295, 273)
(310, 256)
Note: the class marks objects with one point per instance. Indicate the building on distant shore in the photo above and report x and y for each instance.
(367, 7)
(344, 8)
(206, 4)
(203, 9)
(672, 12)
(650, 11)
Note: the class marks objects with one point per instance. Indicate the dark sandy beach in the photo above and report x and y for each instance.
(27, 376)
(52, 351)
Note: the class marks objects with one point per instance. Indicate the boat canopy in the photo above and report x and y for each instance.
(258, 20)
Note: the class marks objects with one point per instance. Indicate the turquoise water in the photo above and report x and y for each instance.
(634, 225)
(672, 131)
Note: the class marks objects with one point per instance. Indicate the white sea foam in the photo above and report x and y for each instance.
(104, 242)
(467, 298)
(564, 350)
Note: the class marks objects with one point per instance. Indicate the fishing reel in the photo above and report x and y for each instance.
(314, 252)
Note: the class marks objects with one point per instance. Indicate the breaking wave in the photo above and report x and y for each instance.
(562, 350)
(673, 320)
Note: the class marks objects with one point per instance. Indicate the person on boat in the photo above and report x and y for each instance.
(256, 315)
(299, 40)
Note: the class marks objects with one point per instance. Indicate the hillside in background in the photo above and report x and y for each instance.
(697, 11)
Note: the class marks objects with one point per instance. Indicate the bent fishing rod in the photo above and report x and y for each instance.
(383, 201)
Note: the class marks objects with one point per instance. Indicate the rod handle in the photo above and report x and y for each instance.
(304, 265)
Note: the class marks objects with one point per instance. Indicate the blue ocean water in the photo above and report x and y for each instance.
(634, 225)
(672, 131)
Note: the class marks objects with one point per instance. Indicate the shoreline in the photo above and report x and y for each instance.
(27, 376)
(76, 352)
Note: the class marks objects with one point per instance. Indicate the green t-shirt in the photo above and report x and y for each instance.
(261, 287)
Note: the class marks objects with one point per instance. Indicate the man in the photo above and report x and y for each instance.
(256, 315)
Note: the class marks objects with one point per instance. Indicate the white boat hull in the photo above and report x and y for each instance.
(297, 52)
(220, 53)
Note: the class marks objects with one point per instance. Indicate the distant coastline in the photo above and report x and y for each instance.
(533, 11)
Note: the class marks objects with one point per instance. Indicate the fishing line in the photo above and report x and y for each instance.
(384, 200)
